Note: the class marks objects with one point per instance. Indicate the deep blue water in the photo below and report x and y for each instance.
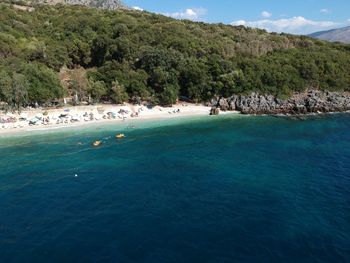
(227, 189)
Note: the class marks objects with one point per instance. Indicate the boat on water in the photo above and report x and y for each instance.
(120, 136)
(96, 143)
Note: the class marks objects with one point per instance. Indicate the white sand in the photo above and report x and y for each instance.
(81, 115)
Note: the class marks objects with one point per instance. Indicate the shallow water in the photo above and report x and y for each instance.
(227, 189)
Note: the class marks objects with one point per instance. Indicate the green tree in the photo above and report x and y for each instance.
(169, 95)
(79, 84)
(118, 93)
(5, 87)
(44, 84)
(138, 84)
(194, 79)
(97, 90)
(20, 90)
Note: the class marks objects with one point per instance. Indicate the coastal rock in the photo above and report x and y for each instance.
(214, 101)
(232, 103)
(313, 101)
(223, 104)
(214, 111)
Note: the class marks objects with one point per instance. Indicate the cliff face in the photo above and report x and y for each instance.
(104, 4)
(303, 103)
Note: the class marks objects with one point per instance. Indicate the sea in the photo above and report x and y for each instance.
(200, 189)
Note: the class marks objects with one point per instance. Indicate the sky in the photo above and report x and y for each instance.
(290, 16)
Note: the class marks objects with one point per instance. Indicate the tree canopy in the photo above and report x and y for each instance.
(131, 55)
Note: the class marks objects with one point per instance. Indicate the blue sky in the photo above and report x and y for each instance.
(292, 16)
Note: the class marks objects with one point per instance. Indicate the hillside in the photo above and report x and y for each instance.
(103, 4)
(334, 35)
(55, 51)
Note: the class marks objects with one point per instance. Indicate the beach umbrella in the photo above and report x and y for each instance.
(24, 115)
(34, 120)
(100, 110)
(39, 116)
(75, 117)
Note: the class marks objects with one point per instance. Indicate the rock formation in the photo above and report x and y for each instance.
(302, 103)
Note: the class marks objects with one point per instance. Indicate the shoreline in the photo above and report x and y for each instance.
(157, 113)
(71, 117)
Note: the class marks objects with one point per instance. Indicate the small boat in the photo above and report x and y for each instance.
(120, 136)
(97, 143)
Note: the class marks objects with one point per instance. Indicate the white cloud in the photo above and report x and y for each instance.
(266, 14)
(294, 25)
(324, 10)
(137, 8)
(239, 23)
(189, 13)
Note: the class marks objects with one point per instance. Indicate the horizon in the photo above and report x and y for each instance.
(299, 17)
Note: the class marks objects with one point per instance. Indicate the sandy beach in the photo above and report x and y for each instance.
(72, 116)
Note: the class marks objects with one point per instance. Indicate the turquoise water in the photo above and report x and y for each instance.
(227, 189)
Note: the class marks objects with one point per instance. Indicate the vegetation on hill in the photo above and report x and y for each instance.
(104, 4)
(55, 51)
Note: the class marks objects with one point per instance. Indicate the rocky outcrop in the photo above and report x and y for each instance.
(214, 111)
(301, 103)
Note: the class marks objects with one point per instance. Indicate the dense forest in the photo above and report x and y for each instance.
(48, 52)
